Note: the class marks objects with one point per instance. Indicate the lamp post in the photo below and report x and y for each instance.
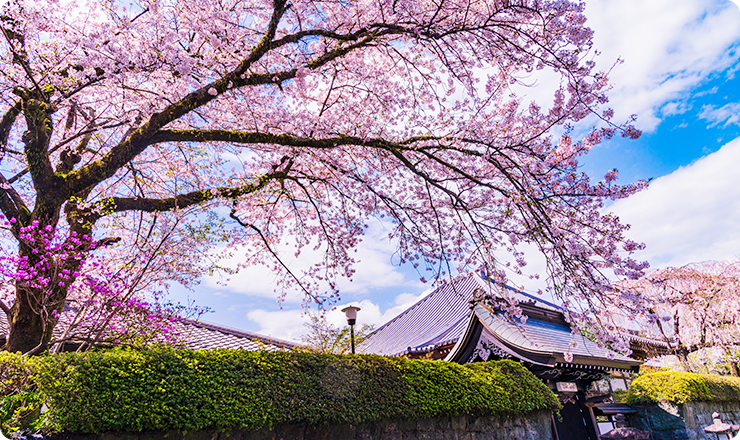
(351, 313)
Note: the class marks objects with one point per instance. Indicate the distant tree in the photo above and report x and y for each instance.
(692, 308)
(326, 338)
(243, 122)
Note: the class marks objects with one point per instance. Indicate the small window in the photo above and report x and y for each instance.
(617, 383)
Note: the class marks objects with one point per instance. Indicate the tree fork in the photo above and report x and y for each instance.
(30, 331)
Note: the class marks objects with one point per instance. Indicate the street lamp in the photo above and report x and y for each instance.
(351, 313)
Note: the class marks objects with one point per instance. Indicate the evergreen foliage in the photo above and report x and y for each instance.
(165, 389)
(681, 387)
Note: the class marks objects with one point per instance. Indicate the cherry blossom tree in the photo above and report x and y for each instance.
(692, 308)
(249, 121)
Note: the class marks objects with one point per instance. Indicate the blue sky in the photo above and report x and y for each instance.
(679, 139)
(679, 76)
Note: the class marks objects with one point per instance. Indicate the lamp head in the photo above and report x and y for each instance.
(351, 313)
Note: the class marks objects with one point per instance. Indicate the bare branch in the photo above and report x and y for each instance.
(11, 203)
(274, 254)
(5, 308)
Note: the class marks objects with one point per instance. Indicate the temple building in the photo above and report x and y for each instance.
(458, 322)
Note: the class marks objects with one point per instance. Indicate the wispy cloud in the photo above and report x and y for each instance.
(675, 108)
(668, 47)
(728, 114)
(288, 324)
(374, 270)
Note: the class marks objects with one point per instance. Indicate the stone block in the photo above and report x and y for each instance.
(532, 426)
(701, 419)
(424, 425)
(477, 424)
(664, 417)
(689, 416)
(518, 432)
(458, 424)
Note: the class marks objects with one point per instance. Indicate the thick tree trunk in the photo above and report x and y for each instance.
(30, 328)
(32, 315)
(683, 357)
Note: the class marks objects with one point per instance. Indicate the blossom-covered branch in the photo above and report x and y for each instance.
(304, 120)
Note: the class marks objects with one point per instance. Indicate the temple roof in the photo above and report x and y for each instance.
(201, 335)
(536, 341)
(438, 319)
(444, 316)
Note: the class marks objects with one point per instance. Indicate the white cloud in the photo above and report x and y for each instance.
(284, 324)
(668, 48)
(288, 324)
(728, 113)
(374, 270)
(692, 214)
(674, 108)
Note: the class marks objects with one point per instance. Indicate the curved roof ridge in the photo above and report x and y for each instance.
(533, 297)
(486, 282)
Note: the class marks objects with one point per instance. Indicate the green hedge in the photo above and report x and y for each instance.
(163, 389)
(679, 387)
(20, 400)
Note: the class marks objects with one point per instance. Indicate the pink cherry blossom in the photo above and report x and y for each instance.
(694, 309)
(193, 125)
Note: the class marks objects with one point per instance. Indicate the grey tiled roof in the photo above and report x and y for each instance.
(442, 317)
(545, 337)
(200, 334)
(203, 335)
(438, 319)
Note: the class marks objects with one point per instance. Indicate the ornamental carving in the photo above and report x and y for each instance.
(487, 350)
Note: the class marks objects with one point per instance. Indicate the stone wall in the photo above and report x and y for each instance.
(682, 422)
(535, 425)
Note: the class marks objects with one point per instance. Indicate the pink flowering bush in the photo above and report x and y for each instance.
(101, 306)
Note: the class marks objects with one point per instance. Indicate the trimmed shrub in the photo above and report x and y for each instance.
(20, 400)
(680, 387)
(163, 389)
